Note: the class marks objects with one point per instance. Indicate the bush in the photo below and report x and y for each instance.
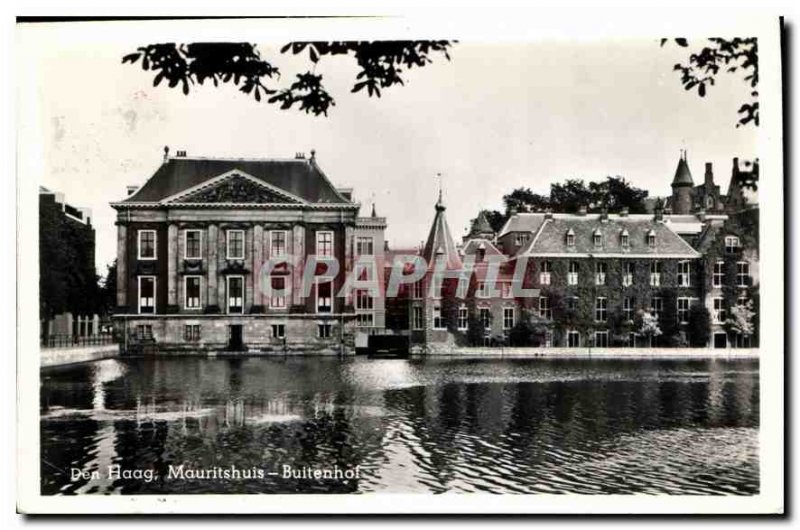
(699, 326)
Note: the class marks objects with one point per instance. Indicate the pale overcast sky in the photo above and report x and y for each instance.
(496, 117)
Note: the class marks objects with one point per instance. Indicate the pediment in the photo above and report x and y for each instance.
(236, 189)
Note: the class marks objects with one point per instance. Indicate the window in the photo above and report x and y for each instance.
(545, 311)
(508, 317)
(325, 244)
(480, 255)
(570, 238)
(192, 248)
(731, 244)
(655, 274)
(191, 292)
(601, 309)
(597, 238)
(364, 246)
(741, 301)
(718, 275)
(191, 332)
(657, 306)
(324, 330)
(601, 339)
(277, 295)
(651, 239)
(147, 295)
(718, 314)
(520, 239)
(277, 243)
(742, 274)
(438, 321)
(573, 339)
(505, 290)
(572, 275)
(363, 299)
(684, 273)
(147, 244)
(365, 320)
(235, 244)
(572, 303)
(600, 273)
(235, 294)
(485, 317)
(483, 290)
(417, 290)
(417, 320)
(364, 303)
(627, 274)
(627, 308)
(278, 331)
(683, 310)
(325, 297)
(625, 240)
(144, 331)
(544, 273)
(463, 317)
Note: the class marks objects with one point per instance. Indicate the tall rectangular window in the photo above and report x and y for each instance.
(438, 321)
(718, 314)
(418, 290)
(683, 310)
(364, 307)
(544, 308)
(192, 248)
(601, 339)
(544, 273)
(417, 318)
(572, 274)
(684, 273)
(573, 339)
(147, 295)
(483, 290)
(278, 331)
(627, 308)
(325, 244)
(325, 297)
(235, 244)
(235, 294)
(600, 309)
(277, 243)
(742, 274)
(627, 273)
(463, 317)
(147, 244)
(655, 273)
(365, 246)
(657, 306)
(718, 274)
(191, 292)
(191, 332)
(600, 270)
(485, 316)
(508, 317)
(324, 330)
(277, 295)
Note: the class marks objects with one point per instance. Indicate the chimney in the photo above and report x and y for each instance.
(604, 215)
(548, 213)
(166, 154)
(709, 175)
(659, 213)
(313, 154)
(735, 165)
(132, 189)
(624, 212)
(385, 245)
(582, 210)
(299, 156)
(180, 154)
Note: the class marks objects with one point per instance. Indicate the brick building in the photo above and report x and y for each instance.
(211, 254)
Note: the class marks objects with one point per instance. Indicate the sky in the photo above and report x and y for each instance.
(496, 117)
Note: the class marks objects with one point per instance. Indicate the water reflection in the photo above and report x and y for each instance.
(523, 426)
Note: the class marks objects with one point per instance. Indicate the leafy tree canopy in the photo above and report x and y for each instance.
(381, 64)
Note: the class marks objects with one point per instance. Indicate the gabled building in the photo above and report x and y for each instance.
(211, 254)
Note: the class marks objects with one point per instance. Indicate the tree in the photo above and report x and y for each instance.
(699, 326)
(107, 298)
(741, 319)
(381, 64)
(648, 324)
(723, 56)
(524, 200)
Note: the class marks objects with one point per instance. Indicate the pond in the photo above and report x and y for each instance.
(305, 425)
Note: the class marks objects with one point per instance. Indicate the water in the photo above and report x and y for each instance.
(435, 425)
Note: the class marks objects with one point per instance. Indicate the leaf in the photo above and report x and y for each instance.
(130, 58)
(682, 42)
(158, 78)
(702, 90)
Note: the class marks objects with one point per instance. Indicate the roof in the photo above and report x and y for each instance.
(480, 225)
(300, 177)
(551, 238)
(440, 240)
(473, 245)
(522, 222)
(683, 176)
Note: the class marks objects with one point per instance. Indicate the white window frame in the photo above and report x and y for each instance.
(272, 234)
(600, 271)
(228, 244)
(186, 243)
(627, 277)
(651, 239)
(718, 278)
(678, 310)
(718, 314)
(438, 320)
(482, 291)
(601, 309)
(657, 306)
(139, 293)
(318, 238)
(625, 241)
(572, 277)
(545, 311)
(317, 297)
(139, 245)
(228, 293)
(732, 244)
(685, 277)
(487, 322)
(655, 274)
(278, 331)
(544, 273)
(417, 318)
(628, 308)
(360, 240)
(418, 290)
(597, 239)
(506, 318)
(601, 334)
(570, 239)
(186, 292)
(573, 333)
(742, 278)
(328, 327)
(462, 322)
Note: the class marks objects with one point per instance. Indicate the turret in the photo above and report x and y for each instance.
(682, 186)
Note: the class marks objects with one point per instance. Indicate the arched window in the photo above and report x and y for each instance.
(651, 239)
(732, 244)
(625, 240)
(597, 238)
(570, 238)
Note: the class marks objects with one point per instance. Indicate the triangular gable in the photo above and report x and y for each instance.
(234, 187)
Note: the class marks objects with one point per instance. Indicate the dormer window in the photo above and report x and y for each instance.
(625, 240)
(651, 239)
(597, 238)
(570, 238)
(731, 244)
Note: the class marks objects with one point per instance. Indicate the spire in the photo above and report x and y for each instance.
(373, 210)
(683, 177)
(440, 242)
(440, 203)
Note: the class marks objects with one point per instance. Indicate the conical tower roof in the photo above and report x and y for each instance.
(683, 177)
(481, 225)
(440, 244)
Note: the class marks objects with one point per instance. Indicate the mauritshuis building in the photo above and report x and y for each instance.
(192, 243)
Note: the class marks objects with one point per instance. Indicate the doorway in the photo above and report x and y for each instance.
(235, 342)
(720, 340)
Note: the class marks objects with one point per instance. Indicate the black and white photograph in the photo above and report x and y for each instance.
(392, 266)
